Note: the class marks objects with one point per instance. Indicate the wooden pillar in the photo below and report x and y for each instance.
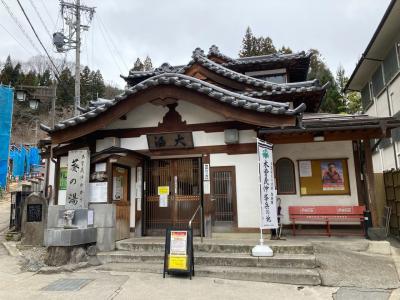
(358, 171)
(370, 182)
(207, 203)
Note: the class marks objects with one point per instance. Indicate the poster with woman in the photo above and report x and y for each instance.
(332, 175)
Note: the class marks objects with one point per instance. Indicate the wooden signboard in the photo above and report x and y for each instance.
(174, 140)
(324, 177)
(178, 256)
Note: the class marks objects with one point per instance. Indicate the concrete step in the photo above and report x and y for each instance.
(158, 246)
(276, 275)
(301, 261)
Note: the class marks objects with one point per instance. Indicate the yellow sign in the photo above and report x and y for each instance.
(163, 190)
(177, 262)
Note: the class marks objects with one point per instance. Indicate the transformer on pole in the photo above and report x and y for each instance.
(76, 18)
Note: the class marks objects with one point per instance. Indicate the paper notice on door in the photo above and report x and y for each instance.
(206, 187)
(305, 168)
(164, 200)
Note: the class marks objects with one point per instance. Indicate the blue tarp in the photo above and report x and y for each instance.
(25, 160)
(6, 105)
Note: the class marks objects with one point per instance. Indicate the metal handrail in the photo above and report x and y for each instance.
(200, 207)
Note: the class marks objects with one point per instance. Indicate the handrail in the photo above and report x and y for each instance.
(200, 207)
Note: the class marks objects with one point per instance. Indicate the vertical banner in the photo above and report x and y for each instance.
(78, 179)
(269, 217)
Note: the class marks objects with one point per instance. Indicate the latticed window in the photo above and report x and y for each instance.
(285, 178)
(377, 81)
(366, 99)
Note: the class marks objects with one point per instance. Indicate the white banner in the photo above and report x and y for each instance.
(269, 217)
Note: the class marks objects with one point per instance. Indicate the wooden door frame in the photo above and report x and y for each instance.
(231, 169)
(111, 182)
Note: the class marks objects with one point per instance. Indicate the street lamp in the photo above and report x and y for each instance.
(34, 103)
(20, 94)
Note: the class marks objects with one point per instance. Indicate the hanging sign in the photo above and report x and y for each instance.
(163, 190)
(206, 172)
(178, 256)
(269, 218)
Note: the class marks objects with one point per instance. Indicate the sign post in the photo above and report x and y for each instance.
(178, 256)
(269, 216)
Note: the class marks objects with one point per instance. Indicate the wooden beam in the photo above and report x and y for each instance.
(370, 182)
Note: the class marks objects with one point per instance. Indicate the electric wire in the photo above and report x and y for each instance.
(109, 48)
(41, 20)
(113, 44)
(48, 14)
(55, 69)
(15, 39)
(20, 26)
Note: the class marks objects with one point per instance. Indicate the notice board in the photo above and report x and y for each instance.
(324, 177)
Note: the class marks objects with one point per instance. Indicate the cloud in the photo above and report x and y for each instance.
(170, 30)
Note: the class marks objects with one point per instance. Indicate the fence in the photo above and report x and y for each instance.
(392, 191)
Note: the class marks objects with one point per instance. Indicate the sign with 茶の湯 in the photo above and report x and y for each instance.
(78, 179)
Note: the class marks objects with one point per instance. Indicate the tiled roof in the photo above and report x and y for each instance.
(177, 79)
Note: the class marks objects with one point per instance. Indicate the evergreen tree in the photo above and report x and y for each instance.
(249, 44)
(265, 46)
(45, 78)
(30, 79)
(98, 84)
(65, 96)
(138, 66)
(285, 50)
(6, 75)
(147, 64)
(319, 70)
(86, 86)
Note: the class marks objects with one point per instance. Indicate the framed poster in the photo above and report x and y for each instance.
(324, 177)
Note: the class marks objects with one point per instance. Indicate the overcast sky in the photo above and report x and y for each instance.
(169, 30)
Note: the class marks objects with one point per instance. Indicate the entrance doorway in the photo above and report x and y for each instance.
(120, 196)
(223, 196)
(183, 178)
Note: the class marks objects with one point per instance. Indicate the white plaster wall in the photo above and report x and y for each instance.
(146, 115)
(377, 162)
(194, 114)
(342, 149)
(382, 105)
(247, 188)
(388, 158)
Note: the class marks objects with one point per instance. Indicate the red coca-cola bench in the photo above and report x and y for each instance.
(317, 215)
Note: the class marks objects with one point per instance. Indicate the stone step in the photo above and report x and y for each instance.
(301, 261)
(275, 275)
(158, 246)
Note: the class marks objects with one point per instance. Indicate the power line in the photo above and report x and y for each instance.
(56, 72)
(20, 27)
(48, 14)
(109, 49)
(15, 39)
(112, 42)
(41, 20)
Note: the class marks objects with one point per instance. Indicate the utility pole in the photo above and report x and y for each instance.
(70, 38)
(77, 59)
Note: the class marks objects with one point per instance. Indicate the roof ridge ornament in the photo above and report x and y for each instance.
(165, 67)
(198, 52)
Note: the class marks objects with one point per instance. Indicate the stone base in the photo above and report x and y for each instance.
(377, 233)
(70, 237)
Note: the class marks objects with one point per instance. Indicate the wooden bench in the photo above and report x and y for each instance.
(315, 215)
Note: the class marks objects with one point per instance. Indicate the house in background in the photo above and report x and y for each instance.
(377, 78)
(191, 132)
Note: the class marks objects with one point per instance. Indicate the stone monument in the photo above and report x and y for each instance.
(34, 220)
(73, 224)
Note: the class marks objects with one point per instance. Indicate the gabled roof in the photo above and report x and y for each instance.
(180, 80)
(383, 40)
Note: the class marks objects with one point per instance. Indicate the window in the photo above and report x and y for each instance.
(390, 65)
(285, 178)
(366, 100)
(377, 81)
(275, 78)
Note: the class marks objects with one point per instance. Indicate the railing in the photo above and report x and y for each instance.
(199, 208)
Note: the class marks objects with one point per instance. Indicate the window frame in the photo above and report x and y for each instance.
(294, 191)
